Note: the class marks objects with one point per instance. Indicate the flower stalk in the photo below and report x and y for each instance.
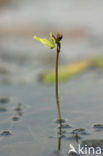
(52, 43)
(57, 62)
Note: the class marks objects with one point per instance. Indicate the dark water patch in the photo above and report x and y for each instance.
(98, 127)
(64, 126)
(18, 108)
(61, 132)
(4, 99)
(62, 136)
(15, 118)
(3, 109)
(5, 133)
(60, 121)
(52, 137)
(75, 137)
(80, 131)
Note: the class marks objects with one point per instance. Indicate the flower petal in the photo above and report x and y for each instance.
(49, 43)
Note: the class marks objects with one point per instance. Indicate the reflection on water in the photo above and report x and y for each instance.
(59, 139)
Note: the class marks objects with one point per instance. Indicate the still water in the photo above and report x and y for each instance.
(36, 132)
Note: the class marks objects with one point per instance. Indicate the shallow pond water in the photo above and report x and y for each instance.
(36, 131)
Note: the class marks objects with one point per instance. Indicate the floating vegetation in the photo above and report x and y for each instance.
(65, 72)
(80, 131)
(60, 121)
(98, 127)
(4, 99)
(18, 108)
(15, 118)
(5, 133)
(75, 137)
(97, 62)
(65, 126)
(69, 70)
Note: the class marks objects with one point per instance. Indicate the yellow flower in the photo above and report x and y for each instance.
(49, 43)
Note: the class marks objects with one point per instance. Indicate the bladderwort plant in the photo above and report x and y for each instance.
(52, 43)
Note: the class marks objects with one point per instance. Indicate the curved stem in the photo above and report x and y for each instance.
(57, 96)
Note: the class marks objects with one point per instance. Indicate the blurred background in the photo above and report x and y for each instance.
(22, 58)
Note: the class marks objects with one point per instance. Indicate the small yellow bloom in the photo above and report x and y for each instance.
(49, 43)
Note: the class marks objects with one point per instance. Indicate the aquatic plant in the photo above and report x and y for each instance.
(52, 43)
(74, 68)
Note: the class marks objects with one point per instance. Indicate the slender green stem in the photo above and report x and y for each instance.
(57, 96)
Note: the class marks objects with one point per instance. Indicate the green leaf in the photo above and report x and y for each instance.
(65, 72)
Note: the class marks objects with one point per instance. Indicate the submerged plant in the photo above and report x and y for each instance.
(52, 43)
